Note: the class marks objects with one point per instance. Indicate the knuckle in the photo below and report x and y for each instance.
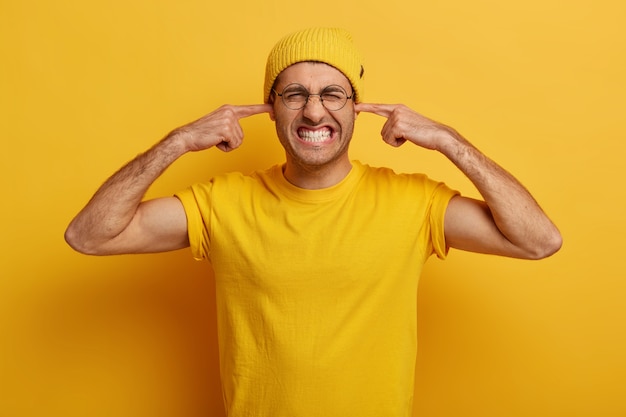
(230, 111)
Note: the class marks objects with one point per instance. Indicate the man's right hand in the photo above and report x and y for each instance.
(220, 128)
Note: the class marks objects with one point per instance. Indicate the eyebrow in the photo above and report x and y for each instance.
(295, 86)
(333, 87)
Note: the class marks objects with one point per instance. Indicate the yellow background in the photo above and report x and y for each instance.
(538, 85)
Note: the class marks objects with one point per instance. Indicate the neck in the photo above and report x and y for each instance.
(317, 177)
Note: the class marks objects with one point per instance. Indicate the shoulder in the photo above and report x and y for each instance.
(237, 179)
(230, 186)
(384, 182)
(389, 177)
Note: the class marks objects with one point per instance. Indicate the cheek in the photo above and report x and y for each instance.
(347, 123)
(282, 119)
(282, 123)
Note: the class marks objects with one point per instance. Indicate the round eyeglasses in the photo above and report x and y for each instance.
(296, 96)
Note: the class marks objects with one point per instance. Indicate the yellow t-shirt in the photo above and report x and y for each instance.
(317, 289)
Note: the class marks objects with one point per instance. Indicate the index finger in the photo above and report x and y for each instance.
(383, 110)
(252, 109)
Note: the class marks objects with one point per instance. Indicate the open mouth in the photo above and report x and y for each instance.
(315, 136)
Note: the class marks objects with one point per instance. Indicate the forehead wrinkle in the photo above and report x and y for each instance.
(309, 80)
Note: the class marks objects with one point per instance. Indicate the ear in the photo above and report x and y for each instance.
(271, 113)
(272, 101)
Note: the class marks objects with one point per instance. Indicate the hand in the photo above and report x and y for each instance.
(219, 128)
(405, 124)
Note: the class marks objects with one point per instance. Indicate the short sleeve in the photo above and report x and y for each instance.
(196, 202)
(440, 200)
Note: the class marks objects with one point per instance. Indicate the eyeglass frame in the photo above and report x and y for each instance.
(309, 94)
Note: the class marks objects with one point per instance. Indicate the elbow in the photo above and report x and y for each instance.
(76, 240)
(72, 238)
(550, 245)
(553, 243)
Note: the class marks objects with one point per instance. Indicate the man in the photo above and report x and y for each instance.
(316, 261)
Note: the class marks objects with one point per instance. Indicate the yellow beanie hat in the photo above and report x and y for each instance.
(328, 45)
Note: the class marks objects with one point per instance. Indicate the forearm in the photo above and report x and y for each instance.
(515, 212)
(115, 203)
(509, 222)
(116, 221)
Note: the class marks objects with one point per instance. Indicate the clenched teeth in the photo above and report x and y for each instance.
(314, 135)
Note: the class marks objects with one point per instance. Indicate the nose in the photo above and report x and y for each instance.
(314, 109)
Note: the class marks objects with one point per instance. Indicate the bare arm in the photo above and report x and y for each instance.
(509, 222)
(116, 220)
